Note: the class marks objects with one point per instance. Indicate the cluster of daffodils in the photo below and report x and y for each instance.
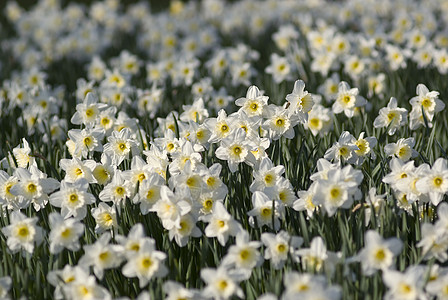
(180, 155)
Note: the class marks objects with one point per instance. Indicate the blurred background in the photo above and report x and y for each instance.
(156, 5)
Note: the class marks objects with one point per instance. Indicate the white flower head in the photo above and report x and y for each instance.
(254, 102)
(279, 246)
(64, 233)
(392, 117)
(378, 254)
(402, 149)
(146, 264)
(22, 233)
(347, 100)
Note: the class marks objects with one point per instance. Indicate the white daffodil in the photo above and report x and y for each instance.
(265, 211)
(392, 117)
(146, 264)
(279, 246)
(88, 111)
(171, 207)
(279, 122)
(34, 186)
(236, 149)
(402, 149)
(300, 101)
(76, 169)
(64, 233)
(347, 100)
(244, 255)
(408, 285)
(378, 254)
(222, 283)
(62, 279)
(105, 217)
(149, 192)
(343, 150)
(120, 146)
(220, 224)
(117, 190)
(102, 255)
(435, 182)
(187, 227)
(22, 233)
(254, 102)
(73, 199)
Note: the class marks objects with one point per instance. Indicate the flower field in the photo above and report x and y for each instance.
(224, 150)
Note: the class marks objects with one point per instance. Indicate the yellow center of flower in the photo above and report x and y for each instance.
(281, 247)
(141, 177)
(279, 122)
(104, 255)
(426, 103)
(343, 151)
(66, 233)
(84, 290)
(89, 112)
(211, 181)
(391, 116)
(120, 191)
(31, 188)
(266, 212)
(222, 284)
(363, 147)
(122, 146)
(403, 151)
(170, 146)
(191, 182)
(78, 172)
(380, 255)
(107, 218)
(244, 254)
(135, 247)
(315, 123)
(105, 121)
(438, 181)
(335, 193)
(73, 198)
(268, 179)
(346, 99)
(146, 263)
(87, 141)
(405, 288)
(208, 204)
(221, 223)
(23, 231)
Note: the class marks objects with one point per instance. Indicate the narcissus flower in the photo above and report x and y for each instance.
(146, 264)
(64, 233)
(254, 102)
(236, 149)
(347, 100)
(102, 255)
(378, 254)
(392, 117)
(73, 199)
(23, 233)
(221, 224)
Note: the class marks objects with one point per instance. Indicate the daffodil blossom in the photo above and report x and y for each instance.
(146, 264)
(22, 233)
(378, 254)
(73, 199)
